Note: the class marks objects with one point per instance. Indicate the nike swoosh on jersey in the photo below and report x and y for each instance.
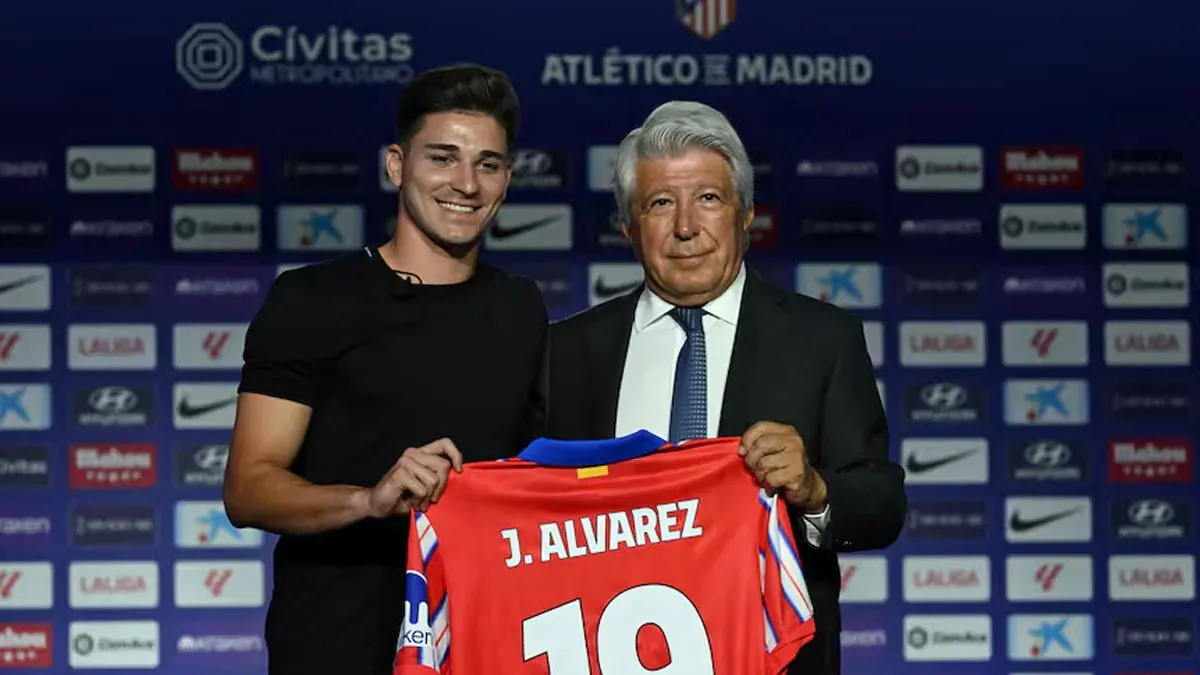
(605, 291)
(186, 409)
(1019, 524)
(499, 231)
(914, 465)
(17, 283)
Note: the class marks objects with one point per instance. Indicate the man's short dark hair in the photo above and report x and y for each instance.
(459, 87)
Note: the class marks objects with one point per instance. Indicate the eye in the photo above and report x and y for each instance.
(492, 166)
(439, 159)
(661, 201)
(710, 196)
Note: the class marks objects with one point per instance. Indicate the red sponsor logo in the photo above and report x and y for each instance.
(951, 578)
(764, 229)
(1150, 460)
(847, 575)
(1041, 168)
(225, 169)
(1150, 577)
(120, 345)
(25, 645)
(123, 584)
(1043, 340)
(8, 581)
(8, 340)
(216, 580)
(1046, 575)
(116, 465)
(214, 344)
(1147, 343)
(945, 343)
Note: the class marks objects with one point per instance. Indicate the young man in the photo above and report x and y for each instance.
(367, 378)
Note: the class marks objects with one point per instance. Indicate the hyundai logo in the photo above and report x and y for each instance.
(112, 400)
(1047, 454)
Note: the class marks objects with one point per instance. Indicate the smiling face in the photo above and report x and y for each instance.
(452, 178)
(687, 227)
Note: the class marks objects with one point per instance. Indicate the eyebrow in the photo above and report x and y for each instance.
(450, 147)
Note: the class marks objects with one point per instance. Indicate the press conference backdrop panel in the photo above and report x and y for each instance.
(1001, 190)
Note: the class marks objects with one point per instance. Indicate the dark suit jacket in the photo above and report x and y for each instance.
(795, 360)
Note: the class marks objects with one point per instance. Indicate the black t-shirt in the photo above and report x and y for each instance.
(385, 365)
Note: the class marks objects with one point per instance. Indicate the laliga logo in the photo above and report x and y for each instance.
(209, 56)
(416, 631)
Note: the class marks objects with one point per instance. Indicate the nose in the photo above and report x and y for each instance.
(685, 222)
(465, 180)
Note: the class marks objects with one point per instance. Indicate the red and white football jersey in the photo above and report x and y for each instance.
(620, 557)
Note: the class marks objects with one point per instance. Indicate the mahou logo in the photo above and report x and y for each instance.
(1041, 168)
(25, 645)
(224, 169)
(119, 465)
(1150, 460)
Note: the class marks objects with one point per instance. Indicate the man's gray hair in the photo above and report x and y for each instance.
(672, 129)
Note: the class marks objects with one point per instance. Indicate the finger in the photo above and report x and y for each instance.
(765, 445)
(780, 479)
(446, 448)
(756, 433)
(776, 461)
(427, 477)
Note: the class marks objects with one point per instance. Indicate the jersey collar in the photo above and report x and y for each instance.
(552, 452)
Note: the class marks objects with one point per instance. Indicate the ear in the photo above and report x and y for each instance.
(626, 232)
(395, 164)
(746, 221)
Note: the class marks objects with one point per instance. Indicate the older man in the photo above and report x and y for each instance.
(708, 348)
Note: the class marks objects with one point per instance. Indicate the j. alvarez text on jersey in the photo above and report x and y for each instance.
(605, 532)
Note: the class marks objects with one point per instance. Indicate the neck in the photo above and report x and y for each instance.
(411, 251)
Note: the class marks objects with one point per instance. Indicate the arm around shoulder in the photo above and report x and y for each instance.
(285, 357)
(865, 489)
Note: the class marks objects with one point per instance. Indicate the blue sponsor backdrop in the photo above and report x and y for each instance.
(906, 153)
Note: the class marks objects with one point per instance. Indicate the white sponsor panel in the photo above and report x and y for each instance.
(1046, 402)
(114, 644)
(1159, 578)
(852, 285)
(947, 578)
(1152, 284)
(112, 346)
(947, 637)
(864, 579)
(204, 524)
(531, 227)
(114, 585)
(1047, 520)
(939, 168)
(216, 227)
(25, 347)
(219, 583)
(1051, 637)
(1044, 343)
(204, 405)
(601, 163)
(609, 280)
(209, 345)
(1048, 578)
(26, 585)
(110, 169)
(873, 334)
(1145, 226)
(1147, 343)
(24, 288)
(943, 343)
(945, 461)
(319, 227)
(25, 407)
(1043, 226)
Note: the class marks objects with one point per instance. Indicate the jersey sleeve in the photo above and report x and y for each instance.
(787, 607)
(424, 644)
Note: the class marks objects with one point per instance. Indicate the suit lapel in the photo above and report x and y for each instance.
(608, 346)
(756, 348)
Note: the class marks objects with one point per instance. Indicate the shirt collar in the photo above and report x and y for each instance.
(725, 307)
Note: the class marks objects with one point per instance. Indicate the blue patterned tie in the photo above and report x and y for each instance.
(689, 403)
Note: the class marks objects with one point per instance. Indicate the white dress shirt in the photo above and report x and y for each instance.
(648, 382)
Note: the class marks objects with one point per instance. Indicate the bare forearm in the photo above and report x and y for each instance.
(277, 500)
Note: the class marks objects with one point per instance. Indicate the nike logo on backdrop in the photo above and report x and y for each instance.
(499, 231)
(1019, 524)
(15, 284)
(186, 409)
(603, 290)
(914, 465)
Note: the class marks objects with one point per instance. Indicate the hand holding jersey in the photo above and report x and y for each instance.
(775, 454)
(415, 481)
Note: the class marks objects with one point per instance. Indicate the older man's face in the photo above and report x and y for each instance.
(686, 227)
